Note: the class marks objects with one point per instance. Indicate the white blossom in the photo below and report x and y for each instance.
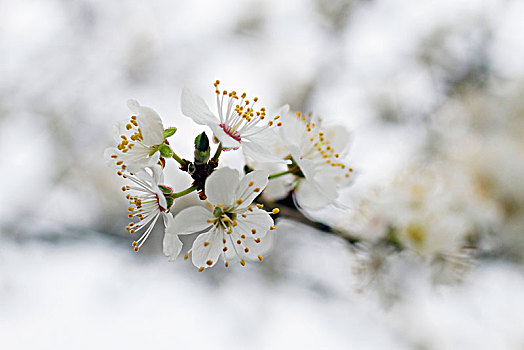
(237, 125)
(317, 153)
(234, 229)
(146, 203)
(138, 140)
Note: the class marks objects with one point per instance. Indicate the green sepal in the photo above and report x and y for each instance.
(170, 200)
(165, 189)
(169, 132)
(165, 151)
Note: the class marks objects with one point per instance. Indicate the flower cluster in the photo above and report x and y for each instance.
(307, 159)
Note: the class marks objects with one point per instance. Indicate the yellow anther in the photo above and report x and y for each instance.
(128, 126)
(114, 156)
(244, 215)
(136, 248)
(242, 262)
(210, 220)
(257, 189)
(201, 269)
(272, 227)
(279, 124)
(351, 169)
(257, 240)
(206, 244)
(260, 258)
(226, 264)
(243, 236)
(132, 231)
(239, 201)
(186, 256)
(220, 205)
(260, 206)
(251, 183)
(209, 262)
(270, 123)
(239, 242)
(276, 211)
(235, 223)
(135, 243)
(224, 249)
(246, 249)
(224, 240)
(254, 231)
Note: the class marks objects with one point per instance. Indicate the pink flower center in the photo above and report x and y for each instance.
(228, 130)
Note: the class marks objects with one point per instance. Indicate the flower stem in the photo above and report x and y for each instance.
(217, 153)
(178, 159)
(274, 176)
(184, 192)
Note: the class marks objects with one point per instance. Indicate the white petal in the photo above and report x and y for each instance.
(137, 164)
(172, 245)
(207, 248)
(339, 138)
(278, 188)
(307, 166)
(227, 141)
(258, 180)
(149, 122)
(195, 107)
(261, 152)
(310, 196)
(258, 219)
(191, 220)
(151, 126)
(221, 186)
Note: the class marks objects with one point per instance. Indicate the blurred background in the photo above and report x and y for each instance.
(432, 93)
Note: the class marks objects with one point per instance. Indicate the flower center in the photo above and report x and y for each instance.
(238, 116)
(229, 130)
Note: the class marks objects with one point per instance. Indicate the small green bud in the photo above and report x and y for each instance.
(169, 132)
(165, 151)
(202, 150)
(202, 142)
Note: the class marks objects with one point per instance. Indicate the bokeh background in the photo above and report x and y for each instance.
(422, 85)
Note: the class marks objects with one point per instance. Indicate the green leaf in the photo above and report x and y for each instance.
(165, 151)
(169, 132)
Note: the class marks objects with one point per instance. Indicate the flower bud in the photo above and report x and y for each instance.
(202, 150)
